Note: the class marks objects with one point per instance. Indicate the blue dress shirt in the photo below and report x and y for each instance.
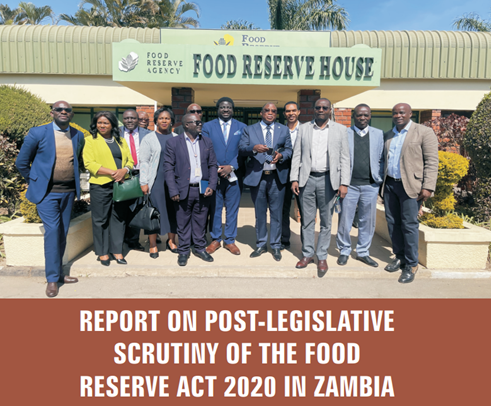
(394, 164)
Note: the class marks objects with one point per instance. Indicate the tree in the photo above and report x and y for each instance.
(7, 15)
(239, 25)
(472, 22)
(169, 13)
(307, 15)
(30, 14)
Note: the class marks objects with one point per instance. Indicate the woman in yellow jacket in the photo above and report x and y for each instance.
(108, 159)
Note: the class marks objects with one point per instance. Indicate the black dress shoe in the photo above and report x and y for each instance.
(136, 247)
(408, 274)
(154, 255)
(258, 252)
(367, 260)
(395, 266)
(105, 262)
(342, 260)
(182, 259)
(284, 246)
(118, 261)
(174, 251)
(277, 254)
(203, 255)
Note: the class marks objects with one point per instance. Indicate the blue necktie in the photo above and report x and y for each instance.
(269, 142)
(225, 136)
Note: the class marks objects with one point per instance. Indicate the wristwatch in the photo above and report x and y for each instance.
(233, 169)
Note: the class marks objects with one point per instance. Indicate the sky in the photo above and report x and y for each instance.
(389, 15)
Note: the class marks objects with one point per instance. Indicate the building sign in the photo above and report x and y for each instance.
(357, 66)
(244, 38)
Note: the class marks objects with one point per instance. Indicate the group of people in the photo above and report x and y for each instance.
(190, 174)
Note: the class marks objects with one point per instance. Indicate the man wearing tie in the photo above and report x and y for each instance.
(269, 146)
(225, 133)
(49, 161)
(190, 159)
(133, 134)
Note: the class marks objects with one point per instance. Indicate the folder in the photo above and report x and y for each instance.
(203, 184)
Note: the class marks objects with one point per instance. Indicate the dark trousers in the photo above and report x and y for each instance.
(401, 213)
(55, 211)
(108, 220)
(287, 204)
(191, 221)
(132, 235)
(269, 193)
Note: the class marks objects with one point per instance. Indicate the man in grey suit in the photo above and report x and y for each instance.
(411, 153)
(320, 171)
(366, 147)
(133, 134)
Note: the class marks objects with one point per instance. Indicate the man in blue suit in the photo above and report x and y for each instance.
(225, 133)
(269, 146)
(366, 147)
(49, 161)
(133, 134)
(188, 161)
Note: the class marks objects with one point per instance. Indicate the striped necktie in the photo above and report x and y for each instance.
(269, 142)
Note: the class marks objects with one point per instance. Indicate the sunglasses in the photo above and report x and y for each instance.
(197, 122)
(270, 111)
(60, 109)
(322, 108)
(195, 111)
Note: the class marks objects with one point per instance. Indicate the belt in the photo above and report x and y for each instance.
(194, 185)
(318, 174)
(394, 179)
(135, 172)
(270, 172)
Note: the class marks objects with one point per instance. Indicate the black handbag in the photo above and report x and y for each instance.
(127, 190)
(146, 217)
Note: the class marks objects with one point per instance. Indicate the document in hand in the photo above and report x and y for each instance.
(203, 184)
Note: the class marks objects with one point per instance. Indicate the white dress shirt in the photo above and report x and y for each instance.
(264, 127)
(294, 133)
(361, 133)
(136, 138)
(320, 150)
(229, 124)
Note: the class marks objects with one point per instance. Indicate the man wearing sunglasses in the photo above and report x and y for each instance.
(320, 173)
(269, 147)
(192, 109)
(133, 134)
(225, 133)
(49, 161)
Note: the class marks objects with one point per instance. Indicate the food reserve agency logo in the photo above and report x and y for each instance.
(128, 63)
(227, 40)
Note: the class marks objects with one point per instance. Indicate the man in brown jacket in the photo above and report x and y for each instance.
(411, 156)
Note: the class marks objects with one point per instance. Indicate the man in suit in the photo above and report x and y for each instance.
(193, 108)
(143, 120)
(411, 153)
(320, 172)
(190, 159)
(49, 161)
(225, 133)
(133, 134)
(291, 113)
(366, 149)
(269, 146)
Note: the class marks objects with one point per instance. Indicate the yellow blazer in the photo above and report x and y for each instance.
(97, 153)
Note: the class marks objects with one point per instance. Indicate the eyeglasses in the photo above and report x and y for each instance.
(130, 118)
(60, 109)
(270, 111)
(195, 111)
(197, 122)
(322, 108)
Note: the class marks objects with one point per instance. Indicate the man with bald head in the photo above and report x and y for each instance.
(143, 120)
(49, 161)
(411, 154)
(193, 108)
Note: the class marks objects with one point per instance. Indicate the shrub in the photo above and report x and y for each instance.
(482, 199)
(28, 210)
(86, 133)
(450, 131)
(11, 181)
(19, 111)
(449, 220)
(477, 139)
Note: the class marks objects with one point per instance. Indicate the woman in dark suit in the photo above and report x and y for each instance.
(108, 159)
(152, 182)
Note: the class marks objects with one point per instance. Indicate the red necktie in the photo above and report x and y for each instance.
(133, 149)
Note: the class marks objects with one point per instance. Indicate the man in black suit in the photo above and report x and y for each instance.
(188, 161)
(269, 146)
(133, 134)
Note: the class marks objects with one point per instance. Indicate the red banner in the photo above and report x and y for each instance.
(118, 352)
